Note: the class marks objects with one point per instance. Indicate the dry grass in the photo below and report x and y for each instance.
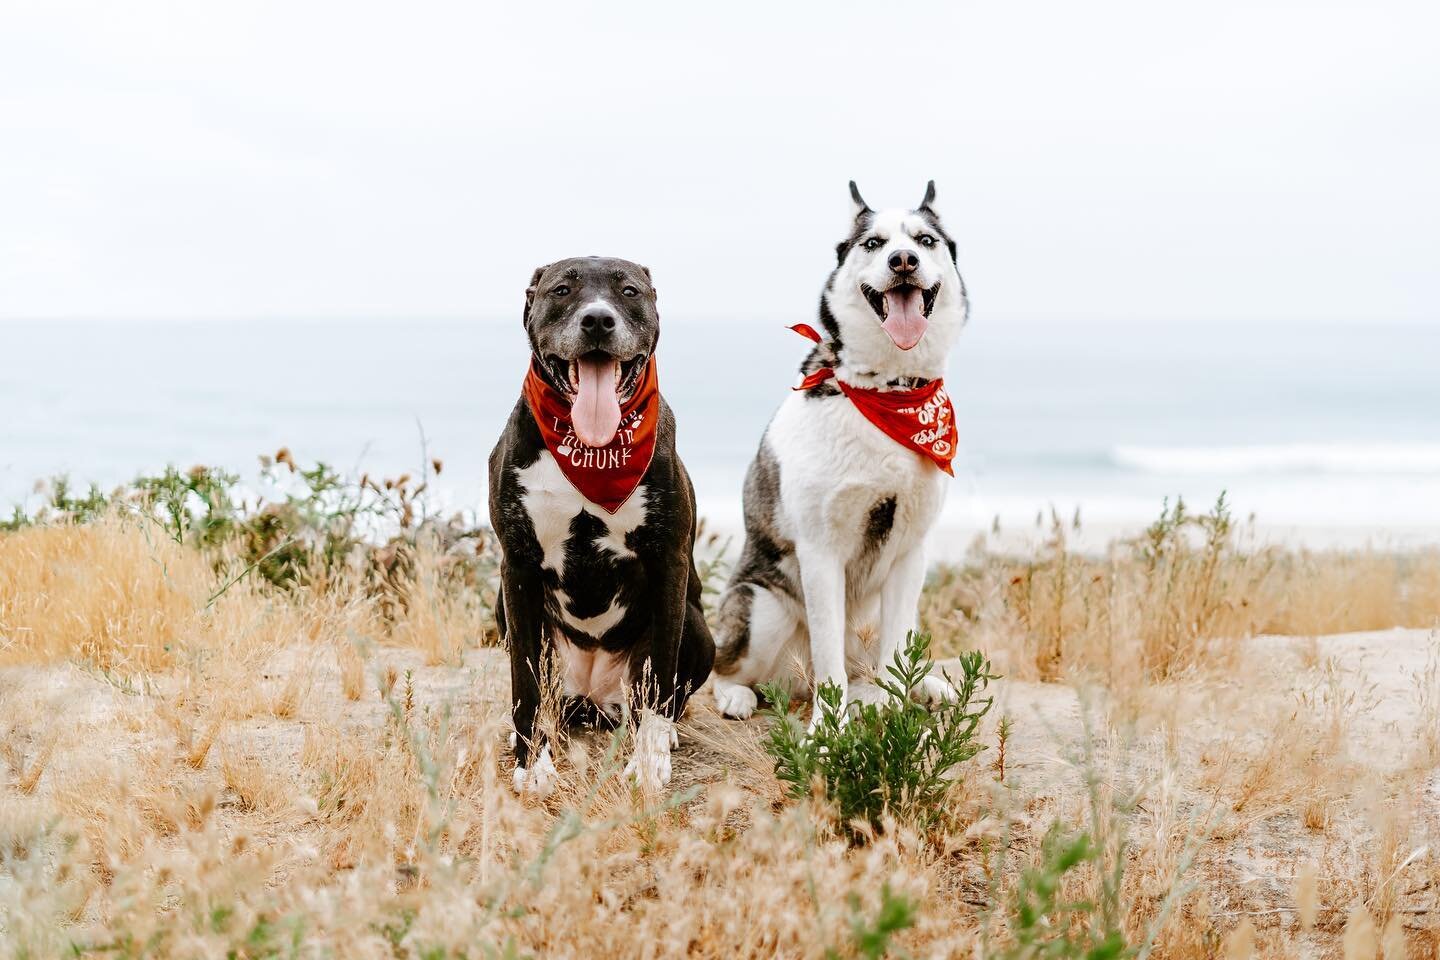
(1178, 598)
(322, 770)
(105, 594)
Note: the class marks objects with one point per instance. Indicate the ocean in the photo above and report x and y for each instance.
(1325, 433)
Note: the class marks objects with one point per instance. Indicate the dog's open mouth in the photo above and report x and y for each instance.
(596, 384)
(904, 311)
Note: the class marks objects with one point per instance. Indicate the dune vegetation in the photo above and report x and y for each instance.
(275, 726)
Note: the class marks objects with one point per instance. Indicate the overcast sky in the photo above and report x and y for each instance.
(1156, 161)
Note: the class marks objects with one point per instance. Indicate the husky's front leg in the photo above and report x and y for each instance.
(822, 580)
(899, 602)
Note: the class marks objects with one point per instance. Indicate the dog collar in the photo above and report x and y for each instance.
(921, 419)
(909, 383)
(607, 475)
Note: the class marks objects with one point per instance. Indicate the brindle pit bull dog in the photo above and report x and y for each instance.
(595, 515)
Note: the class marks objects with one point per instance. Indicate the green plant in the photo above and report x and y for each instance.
(896, 756)
(870, 936)
(318, 527)
(59, 506)
(192, 507)
(1044, 924)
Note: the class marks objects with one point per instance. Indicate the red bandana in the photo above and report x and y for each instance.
(606, 475)
(922, 419)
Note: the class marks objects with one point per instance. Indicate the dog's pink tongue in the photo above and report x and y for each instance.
(596, 411)
(905, 316)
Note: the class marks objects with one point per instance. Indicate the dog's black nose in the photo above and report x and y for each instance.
(904, 261)
(598, 321)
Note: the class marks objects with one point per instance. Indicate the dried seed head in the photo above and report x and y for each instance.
(1240, 944)
(1307, 895)
(1392, 942)
(1359, 941)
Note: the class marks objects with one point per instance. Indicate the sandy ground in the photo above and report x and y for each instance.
(1249, 842)
(1380, 674)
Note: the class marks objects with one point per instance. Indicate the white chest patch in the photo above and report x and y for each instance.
(552, 502)
(596, 626)
(835, 465)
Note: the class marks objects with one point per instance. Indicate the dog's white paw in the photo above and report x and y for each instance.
(735, 700)
(934, 690)
(649, 766)
(539, 779)
(865, 692)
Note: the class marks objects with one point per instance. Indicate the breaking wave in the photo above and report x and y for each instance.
(1343, 458)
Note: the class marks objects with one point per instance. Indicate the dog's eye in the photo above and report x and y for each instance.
(925, 240)
(630, 292)
(874, 243)
(561, 290)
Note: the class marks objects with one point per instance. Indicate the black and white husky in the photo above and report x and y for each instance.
(836, 512)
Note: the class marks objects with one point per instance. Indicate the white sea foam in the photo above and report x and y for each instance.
(1347, 458)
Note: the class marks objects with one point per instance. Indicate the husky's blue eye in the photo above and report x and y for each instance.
(925, 240)
(874, 243)
(561, 290)
(630, 292)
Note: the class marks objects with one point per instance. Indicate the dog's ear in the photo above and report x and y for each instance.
(530, 291)
(858, 205)
(925, 205)
(858, 209)
(654, 294)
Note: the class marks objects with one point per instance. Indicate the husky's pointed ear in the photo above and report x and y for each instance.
(530, 291)
(858, 205)
(926, 204)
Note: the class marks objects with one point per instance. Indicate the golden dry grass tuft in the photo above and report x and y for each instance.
(104, 593)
